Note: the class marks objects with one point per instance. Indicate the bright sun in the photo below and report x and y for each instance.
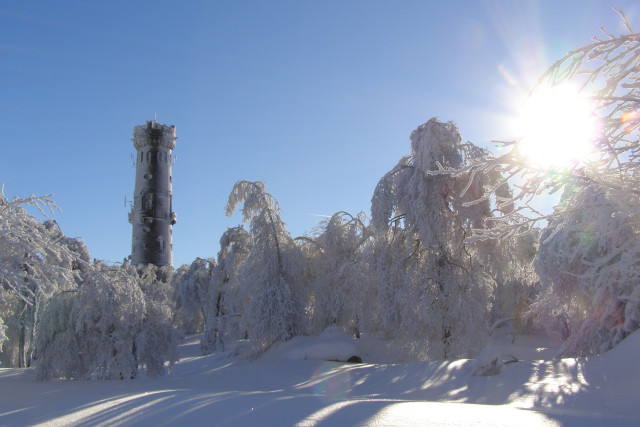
(558, 127)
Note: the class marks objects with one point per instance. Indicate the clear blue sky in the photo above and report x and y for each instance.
(316, 98)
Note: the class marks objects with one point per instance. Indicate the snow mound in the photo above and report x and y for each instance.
(525, 347)
(332, 345)
(625, 353)
(618, 370)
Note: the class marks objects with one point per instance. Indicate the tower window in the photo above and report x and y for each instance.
(147, 201)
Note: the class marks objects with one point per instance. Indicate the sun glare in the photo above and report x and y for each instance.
(557, 126)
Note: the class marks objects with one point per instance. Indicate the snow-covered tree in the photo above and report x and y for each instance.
(158, 341)
(191, 290)
(37, 261)
(432, 292)
(108, 329)
(590, 268)
(156, 282)
(58, 351)
(272, 273)
(80, 258)
(225, 301)
(509, 264)
(588, 257)
(339, 273)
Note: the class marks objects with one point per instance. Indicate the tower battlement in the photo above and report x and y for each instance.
(154, 134)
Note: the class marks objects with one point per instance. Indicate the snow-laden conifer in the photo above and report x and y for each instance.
(272, 271)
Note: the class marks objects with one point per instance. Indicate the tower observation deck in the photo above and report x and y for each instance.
(152, 213)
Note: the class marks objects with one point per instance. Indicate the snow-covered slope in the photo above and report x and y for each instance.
(294, 384)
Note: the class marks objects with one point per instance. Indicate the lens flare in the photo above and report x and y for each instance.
(630, 120)
(630, 116)
(558, 127)
(331, 383)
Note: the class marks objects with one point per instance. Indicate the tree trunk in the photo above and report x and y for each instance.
(22, 362)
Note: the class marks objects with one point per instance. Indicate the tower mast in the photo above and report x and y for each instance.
(152, 213)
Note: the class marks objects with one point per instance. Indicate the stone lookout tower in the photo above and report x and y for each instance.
(152, 215)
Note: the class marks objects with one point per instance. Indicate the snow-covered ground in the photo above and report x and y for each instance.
(295, 384)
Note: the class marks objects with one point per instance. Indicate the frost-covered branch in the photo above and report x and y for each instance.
(588, 253)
